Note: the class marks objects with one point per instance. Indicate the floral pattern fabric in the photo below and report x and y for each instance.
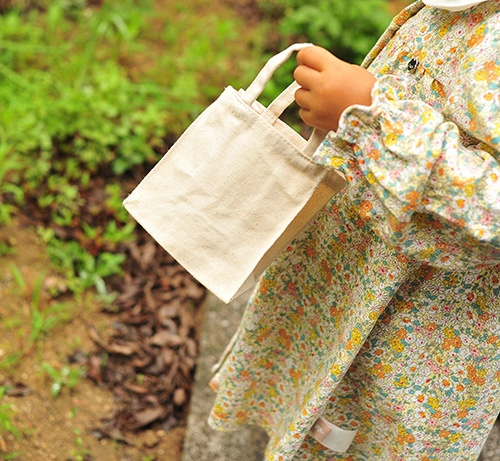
(383, 315)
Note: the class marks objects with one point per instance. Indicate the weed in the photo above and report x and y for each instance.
(80, 452)
(9, 456)
(7, 245)
(73, 412)
(11, 360)
(35, 299)
(113, 202)
(65, 377)
(70, 110)
(18, 276)
(6, 413)
(42, 321)
(348, 28)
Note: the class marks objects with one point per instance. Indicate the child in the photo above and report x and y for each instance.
(376, 334)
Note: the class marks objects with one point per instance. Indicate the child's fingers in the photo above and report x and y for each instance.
(305, 76)
(314, 57)
(303, 97)
(305, 115)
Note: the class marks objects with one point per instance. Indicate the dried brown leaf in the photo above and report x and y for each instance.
(162, 338)
(136, 388)
(147, 416)
(148, 253)
(94, 370)
(122, 349)
(180, 396)
(191, 347)
(17, 390)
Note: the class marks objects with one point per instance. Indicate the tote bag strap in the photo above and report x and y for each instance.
(278, 106)
(257, 86)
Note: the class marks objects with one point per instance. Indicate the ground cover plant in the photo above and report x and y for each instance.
(92, 93)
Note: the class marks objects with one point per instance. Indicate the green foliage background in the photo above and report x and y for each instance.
(93, 91)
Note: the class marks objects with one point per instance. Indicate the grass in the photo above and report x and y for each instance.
(6, 423)
(94, 92)
(66, 377)
(86, 92)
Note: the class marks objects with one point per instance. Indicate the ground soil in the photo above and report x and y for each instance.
(65, 427)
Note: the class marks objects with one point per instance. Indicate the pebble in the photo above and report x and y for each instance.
(150, 439)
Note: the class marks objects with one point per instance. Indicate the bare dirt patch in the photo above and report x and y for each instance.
(70, 425)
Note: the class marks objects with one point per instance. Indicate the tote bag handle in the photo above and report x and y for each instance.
(257, 86)
(278, 106)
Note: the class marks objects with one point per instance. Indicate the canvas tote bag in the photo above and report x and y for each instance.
(235, 189)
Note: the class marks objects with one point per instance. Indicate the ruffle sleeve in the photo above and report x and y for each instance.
(413, 181)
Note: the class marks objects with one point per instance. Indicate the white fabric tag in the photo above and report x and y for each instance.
(453, 5)
(331, 436)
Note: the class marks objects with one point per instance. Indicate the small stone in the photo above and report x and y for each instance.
(150, 439)
(180, 396)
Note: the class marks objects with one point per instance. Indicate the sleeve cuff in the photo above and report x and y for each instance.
(392, 145)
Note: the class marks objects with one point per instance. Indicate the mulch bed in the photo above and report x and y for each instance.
(149, 359)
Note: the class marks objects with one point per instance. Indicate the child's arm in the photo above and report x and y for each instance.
(415, 184)
(329, 86)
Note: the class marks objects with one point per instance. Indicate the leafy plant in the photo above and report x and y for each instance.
(65, 377)
(74, 108)
(18, 276)
(42, 321)
(348, 28)
(11, 360)
(6, 413)
(82, 269)
(81, 453)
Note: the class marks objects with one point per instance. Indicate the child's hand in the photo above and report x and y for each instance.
(329, 86)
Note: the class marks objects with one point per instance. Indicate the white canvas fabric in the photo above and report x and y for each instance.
(235, 189)
(453, 5)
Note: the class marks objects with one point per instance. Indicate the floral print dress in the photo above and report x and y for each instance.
(383, 315)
